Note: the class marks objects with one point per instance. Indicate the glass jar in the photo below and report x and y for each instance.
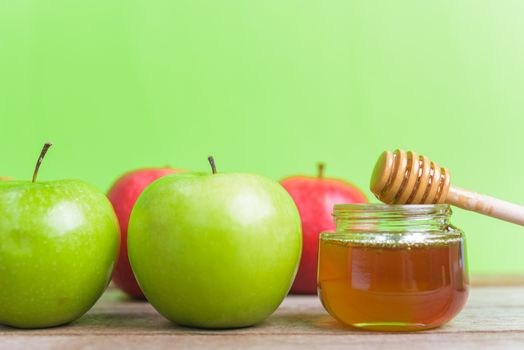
(392, 267)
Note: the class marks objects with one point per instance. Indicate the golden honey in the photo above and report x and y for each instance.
(391, 270)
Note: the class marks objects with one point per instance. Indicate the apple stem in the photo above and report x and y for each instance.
(40, 158)
(212, 163)
(320, 167)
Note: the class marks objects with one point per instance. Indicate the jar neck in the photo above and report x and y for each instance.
(377, 218)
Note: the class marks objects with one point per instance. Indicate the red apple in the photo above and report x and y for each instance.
(123, 195)
(315, 198)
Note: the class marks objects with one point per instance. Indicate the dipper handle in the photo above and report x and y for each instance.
(403, 177)
(486, 205)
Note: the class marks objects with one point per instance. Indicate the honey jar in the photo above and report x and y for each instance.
(393, 267)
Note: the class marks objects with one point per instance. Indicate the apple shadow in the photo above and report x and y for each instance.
(137, 316)
(307, 323)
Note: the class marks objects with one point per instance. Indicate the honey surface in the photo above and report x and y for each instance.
(392, 287)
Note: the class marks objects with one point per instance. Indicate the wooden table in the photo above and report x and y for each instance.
(493, 318)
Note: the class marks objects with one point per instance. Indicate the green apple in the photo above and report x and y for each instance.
(215, 250)
(58, 245)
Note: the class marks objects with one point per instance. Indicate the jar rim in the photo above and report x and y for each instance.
(392, 208)
(392, 219)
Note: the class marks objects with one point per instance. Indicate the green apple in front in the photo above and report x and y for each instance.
(215, 250)
(58, 245)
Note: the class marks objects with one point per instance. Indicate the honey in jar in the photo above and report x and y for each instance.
(392, 267)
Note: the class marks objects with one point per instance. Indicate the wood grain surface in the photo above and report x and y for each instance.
(493, 318)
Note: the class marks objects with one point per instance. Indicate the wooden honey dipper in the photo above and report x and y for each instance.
(401, 177)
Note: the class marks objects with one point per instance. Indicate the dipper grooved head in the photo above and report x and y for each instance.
(401, 177)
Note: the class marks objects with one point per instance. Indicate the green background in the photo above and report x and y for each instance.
(271, 87)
